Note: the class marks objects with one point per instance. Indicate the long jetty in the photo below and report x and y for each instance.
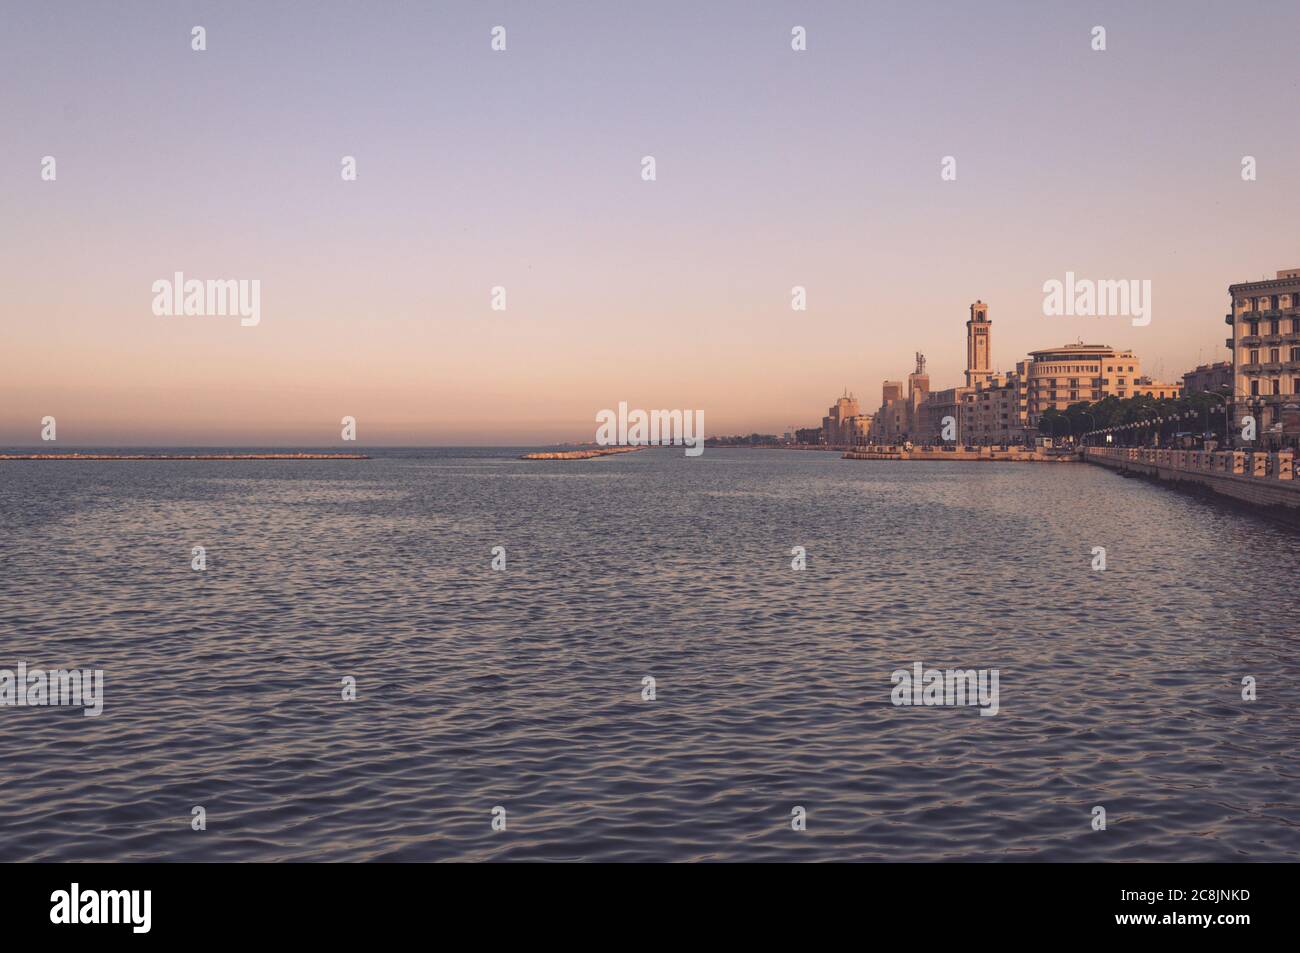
(578, 454)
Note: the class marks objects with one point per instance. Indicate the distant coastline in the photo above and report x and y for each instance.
(183, 456)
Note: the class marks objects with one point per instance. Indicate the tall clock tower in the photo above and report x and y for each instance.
(979, 345)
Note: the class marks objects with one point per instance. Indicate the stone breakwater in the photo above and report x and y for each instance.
(183, 456)
(953, 454)
(1256, 478)
(579, 454)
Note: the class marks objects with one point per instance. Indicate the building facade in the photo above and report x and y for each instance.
(1208, 377)
(1060, 376)
(940, 404)
(1152, 388)
(890, 423)
(1265, 343)
(808, 435)
(844, 424)
(996, 410)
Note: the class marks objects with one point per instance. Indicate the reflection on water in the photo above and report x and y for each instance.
(523, 688)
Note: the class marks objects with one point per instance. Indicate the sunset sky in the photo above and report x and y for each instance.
(522, 169)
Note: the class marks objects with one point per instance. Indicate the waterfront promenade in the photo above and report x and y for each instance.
(962, 454)
(1258, 478)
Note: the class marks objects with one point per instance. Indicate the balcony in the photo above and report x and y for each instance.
(1227, 319)
(1228, 343)
(1250, 340)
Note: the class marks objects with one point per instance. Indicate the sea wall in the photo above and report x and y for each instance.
(954, 454)
(1256, 478)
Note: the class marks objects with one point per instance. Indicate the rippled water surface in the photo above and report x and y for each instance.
(522, 688)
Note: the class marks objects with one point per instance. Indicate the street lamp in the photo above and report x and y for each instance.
(1227, 415)
(1093, 424)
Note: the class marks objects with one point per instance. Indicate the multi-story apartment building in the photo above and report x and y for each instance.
(1152, 388)
(808, 435)
(844, 424)
(1060, 376)
(891, 420)
(994, 411)
(857, 428)
(1265, 343)
(1208, 377)
(939, 404)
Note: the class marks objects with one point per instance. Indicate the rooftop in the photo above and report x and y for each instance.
(1287, 275)
(1091, 350)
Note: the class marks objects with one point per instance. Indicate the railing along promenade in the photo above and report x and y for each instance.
(1259, 477)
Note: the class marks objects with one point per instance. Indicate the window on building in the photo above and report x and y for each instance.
(1295, 353)
(1254, 388)
(1254, 356)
